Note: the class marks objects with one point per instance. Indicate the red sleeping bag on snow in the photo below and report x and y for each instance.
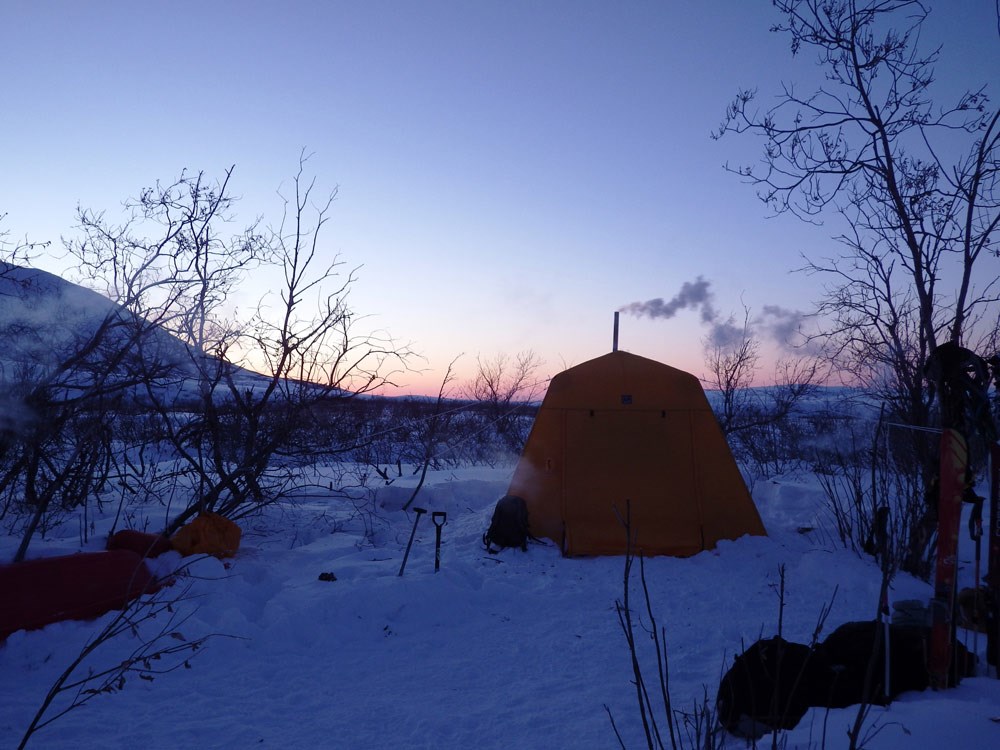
(140, 542)
(39, 592)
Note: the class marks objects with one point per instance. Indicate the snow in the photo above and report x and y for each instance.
(517, 650)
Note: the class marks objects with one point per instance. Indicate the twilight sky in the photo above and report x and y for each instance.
(509, 173)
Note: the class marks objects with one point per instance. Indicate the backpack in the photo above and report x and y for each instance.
(509, 526)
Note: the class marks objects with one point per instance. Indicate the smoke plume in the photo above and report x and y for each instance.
(783, 327)
(694, 295)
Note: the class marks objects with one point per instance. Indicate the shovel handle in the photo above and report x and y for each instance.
(440, 518)
(413, 533)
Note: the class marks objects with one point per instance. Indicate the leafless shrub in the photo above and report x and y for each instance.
(654, 704)
(504, 390)
(152, 625)
(865, 477)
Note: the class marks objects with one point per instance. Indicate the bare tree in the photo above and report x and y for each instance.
(165, 268)
(916, 186)
(237, 402)
(732, 358)
(71, 370)
(760, 422)
(15, 253)
(429, 436)
(505, 388)
(264, 383)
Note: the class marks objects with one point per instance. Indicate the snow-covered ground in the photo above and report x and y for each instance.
(518, 650)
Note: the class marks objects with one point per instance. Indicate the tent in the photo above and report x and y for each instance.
(622, 431)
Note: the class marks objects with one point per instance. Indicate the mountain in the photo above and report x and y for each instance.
(45, 320)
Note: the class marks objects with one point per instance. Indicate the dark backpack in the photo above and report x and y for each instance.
(509, 526)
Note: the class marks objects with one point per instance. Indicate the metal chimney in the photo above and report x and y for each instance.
(614, 340)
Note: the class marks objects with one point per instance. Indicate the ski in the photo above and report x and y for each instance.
(954, 459)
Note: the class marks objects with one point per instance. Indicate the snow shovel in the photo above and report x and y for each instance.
(419, 512)
(440, 518)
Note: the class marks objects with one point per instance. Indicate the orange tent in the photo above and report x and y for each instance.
(625, 429)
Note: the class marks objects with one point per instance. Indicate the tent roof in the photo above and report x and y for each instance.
(621, 380)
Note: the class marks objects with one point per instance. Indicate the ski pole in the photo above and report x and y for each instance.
(884, 616)
(440, 518)
(976, 532)
(993, 566)
(419, 512)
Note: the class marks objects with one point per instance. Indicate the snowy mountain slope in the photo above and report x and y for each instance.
(43, 317)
